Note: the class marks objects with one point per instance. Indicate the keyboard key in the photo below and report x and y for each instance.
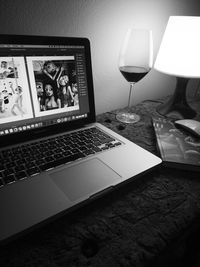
(75, 151)
(117, 144)
(58, 156)
(67, 153)
(105, 148)
(49, 159)
(61, 161)
(19, 168)
(29, 165)
(39, 162)
(104, 140)
(96, 149)
(9, 179)
(8, 165)
(20, 175)
(88, 152)
(2, 167)
(8, 172)
(33, 171)
(45, 166)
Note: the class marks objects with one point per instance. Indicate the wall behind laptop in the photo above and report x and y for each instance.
(104, 23)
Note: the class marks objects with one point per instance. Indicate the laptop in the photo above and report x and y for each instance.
(53, 154)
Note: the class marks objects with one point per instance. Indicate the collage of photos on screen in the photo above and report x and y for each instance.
(53, 87)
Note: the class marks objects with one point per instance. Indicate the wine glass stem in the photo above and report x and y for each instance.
(130, 94)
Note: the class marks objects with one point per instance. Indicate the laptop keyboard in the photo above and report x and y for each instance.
(27, 160)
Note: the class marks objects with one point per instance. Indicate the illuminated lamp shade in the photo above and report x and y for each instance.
(179, 55)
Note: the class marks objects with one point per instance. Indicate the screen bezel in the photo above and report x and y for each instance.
(65, 126)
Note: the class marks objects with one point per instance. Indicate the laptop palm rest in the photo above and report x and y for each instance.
(85, 179)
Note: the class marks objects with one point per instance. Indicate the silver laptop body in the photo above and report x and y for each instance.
(33, 68)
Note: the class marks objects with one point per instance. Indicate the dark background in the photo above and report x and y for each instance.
(104, 23)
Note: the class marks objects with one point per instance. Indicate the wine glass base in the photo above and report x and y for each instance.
(127, 117)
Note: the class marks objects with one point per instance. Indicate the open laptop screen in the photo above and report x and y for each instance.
(42, 84)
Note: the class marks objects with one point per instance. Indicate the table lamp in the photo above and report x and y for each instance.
(179, 55)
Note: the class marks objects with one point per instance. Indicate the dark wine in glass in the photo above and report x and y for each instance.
(135, 61)
(133, 74)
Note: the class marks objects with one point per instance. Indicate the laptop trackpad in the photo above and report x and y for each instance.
(85, 179)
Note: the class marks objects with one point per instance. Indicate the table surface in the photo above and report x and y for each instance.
(131, 226)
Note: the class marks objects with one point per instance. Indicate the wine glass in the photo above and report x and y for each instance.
(135, 61)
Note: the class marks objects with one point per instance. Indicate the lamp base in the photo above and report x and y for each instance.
(177, 105)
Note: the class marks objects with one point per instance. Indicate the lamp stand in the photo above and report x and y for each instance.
(178, 102)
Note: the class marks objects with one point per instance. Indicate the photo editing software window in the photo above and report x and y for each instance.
(41, 85)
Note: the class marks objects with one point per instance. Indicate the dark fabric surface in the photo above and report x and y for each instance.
(132, 226)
